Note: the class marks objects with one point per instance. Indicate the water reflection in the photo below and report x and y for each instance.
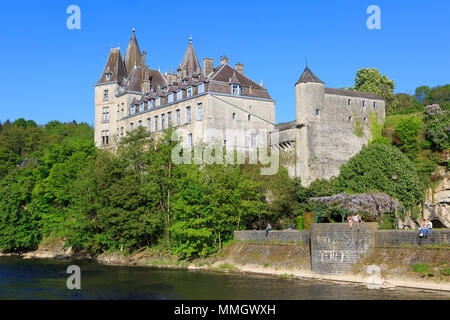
(46, 279)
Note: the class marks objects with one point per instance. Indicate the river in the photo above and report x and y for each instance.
(46, 279)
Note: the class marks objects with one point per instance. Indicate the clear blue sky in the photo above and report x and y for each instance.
(48, 71)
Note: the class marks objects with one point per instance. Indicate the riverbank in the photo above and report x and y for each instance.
(288, 261)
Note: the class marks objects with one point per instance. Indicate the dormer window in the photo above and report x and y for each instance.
(141, 107)
(235, 89)
(170, 99)
(108, 76)
(189, 92)
(122, 89)
(158, 102)
(133, 110)
(150, 103)
(179, 95)
(201, 88)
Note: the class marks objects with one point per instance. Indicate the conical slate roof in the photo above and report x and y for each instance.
(114, 66)
(133, 54)
(190, 64)
(308, 76)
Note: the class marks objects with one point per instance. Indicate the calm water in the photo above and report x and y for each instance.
(45, 279)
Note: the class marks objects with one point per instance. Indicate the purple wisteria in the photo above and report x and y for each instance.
(433, 110)
(374, 204)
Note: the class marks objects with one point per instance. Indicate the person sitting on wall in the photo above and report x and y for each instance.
(422, 228)
(428, 227)
(269, 227)
(355, 218)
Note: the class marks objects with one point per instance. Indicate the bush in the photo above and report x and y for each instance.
(371, 170)
(438, 131)
(421, 268)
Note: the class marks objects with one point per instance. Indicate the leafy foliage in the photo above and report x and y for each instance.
(371, 170)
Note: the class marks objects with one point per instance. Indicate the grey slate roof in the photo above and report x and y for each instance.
(286, 125)
(352, 93)
(114, 66)
(132, 55)
(308, 76)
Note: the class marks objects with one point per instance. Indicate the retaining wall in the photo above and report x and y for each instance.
(274, 236)
(399, 237)
(333, 247)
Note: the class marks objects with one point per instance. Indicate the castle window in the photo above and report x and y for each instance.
(132, 126)
(188, 114)
(249, 117)
(105, 95)
(150, 104)
(189, 92)
(179, 95)
(149, 124)
(317, 112)
(105, 114)
(234, 115)
(365, 119)
(235, 89)
(158, 102)
(156, 123)
(170, 99)
(121, 131)
(163, 121)
(141, 107)
(253, 140)
(350, 118)
(108, 76)
(140, 123)
(201, 88)
(178, 117)
(133, 110)
(190, 140)
(199, 111)
(105, 137)
(374, 105)
(169, 119)
(349, 101)
(364, 103)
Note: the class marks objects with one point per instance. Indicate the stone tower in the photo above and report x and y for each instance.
(309, 98)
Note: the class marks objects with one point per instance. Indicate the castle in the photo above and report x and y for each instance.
(206, 103)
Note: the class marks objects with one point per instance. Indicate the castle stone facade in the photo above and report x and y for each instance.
(205, 104)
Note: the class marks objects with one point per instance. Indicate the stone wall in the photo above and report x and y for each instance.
(296, 236)
(399, 237)
(335, 248)
(269, 254)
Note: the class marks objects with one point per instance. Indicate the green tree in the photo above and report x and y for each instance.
(371, 170)
(371, 80)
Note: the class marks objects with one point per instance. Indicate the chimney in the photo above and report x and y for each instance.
(143, 58)
(239, 68)
(208, 65)
(223, 59)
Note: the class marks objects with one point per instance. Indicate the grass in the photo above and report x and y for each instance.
(286, 276)
(445, 271)
(226, 267)
(423, 268)
(266, 265)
